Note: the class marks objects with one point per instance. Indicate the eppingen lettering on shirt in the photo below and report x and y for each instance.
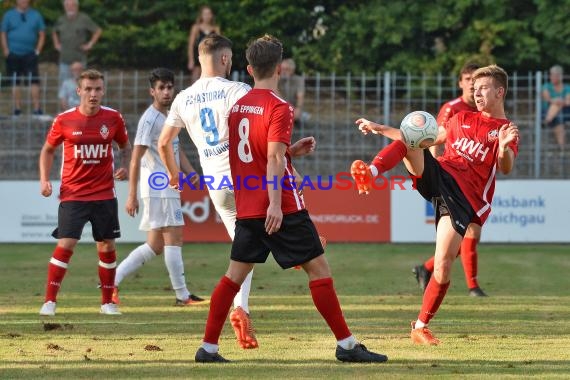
(204, 97)
(469, 148)
(257, 110)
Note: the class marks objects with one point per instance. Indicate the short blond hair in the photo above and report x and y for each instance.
(90, 74)
(498, 74)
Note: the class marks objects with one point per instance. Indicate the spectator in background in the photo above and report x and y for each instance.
(204, 25)
(292, 88)
(74, 34)
(556, 105)
(68, 96)
(23, 36)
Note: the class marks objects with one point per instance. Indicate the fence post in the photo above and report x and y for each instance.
(537, 123)
(386, 120)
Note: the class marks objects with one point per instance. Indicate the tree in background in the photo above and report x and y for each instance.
(332, 35)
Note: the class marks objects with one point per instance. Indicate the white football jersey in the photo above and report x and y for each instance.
(148, 132)
(203, 110)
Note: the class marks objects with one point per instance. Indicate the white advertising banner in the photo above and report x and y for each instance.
(28, 217)
(522, 211)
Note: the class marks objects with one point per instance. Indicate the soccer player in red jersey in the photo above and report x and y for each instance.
(271, 215)
(468, 250)
(87, 191)
(460, 183)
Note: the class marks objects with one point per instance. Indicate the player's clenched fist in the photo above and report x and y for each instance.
(366, 126)
(121, 174)
(45, 188)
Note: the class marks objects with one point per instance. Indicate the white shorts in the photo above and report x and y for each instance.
(225, 205)
(161, 212)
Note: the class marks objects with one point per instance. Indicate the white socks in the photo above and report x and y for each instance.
(419, 324)
(347, 343)
(136, 259)
(373, 171)
(210, 348)
(175, 266)
(242, 297)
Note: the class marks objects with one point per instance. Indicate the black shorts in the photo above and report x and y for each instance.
(24, 67)
(73, 215)
(439, 187)
(296, 242)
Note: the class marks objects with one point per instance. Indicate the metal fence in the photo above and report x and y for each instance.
(332, 104)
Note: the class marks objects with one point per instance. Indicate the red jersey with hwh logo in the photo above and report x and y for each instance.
(451, 108)
(87, 165)
(257, 118)
(470, 156)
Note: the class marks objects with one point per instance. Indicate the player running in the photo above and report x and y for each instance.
(271, 218)
(162, 216)
(203, 110)
(468, 250)
(460, 183)
(87, 191)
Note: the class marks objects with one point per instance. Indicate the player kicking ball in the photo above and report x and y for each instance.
(460, 183)
(272, 218)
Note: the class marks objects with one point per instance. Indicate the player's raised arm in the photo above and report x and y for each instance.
(122, 172)
(275, 169)
(132, 205)
(166, 151)
(366, 126)
(46, 161)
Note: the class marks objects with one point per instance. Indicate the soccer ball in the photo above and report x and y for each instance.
(419, 129)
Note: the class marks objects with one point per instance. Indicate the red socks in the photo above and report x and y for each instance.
(429, 264)
(326, 301)
(469, 261)
(56, 271)
(389, 157)
(107, 268)
(220, 304)
(433, 297)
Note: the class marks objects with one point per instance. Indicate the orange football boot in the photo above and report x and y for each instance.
(423, 336)
(243, 328)
(362, 176)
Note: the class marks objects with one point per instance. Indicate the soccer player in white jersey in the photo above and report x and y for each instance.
(162, 213)
(203, 110)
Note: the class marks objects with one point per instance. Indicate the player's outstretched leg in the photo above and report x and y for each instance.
(132, 263)
(57, 268)
(240, 318)
(385, 160)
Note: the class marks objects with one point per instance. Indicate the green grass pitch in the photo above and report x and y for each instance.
(521, 330)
